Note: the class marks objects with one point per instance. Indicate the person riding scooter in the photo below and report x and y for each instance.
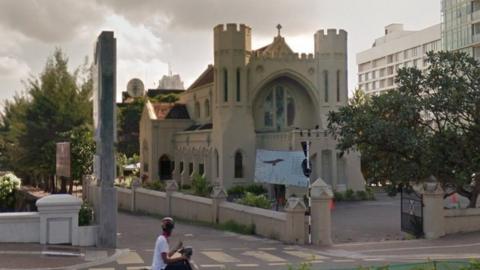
(162, 256)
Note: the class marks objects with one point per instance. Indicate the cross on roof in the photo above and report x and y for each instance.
(279, 26)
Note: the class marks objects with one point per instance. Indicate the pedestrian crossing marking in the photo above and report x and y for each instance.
(373, 259)
(277, 264)
(109, 268)
(130, 258)
(247, 265)
(346, 260)
(220, 256)
(139, 267)
(268, 248)
(264, 256)
(221, 266)
(305, 255)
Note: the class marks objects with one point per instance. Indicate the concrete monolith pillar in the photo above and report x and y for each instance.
(170, 188)
(433, 212)
(295, 226)
(321, 196)
(218, 196)
(104, 110)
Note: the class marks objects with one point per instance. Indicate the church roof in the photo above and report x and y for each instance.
(277, 47)
(205, 78)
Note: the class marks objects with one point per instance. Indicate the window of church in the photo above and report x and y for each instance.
(325, 79)
(181, 167)
(190, 168)
(207, 108)
(225, 85)
(279, 108)
(197, 110)
(217, 164)
(268, 107)
(238, 165)
(201, 169)
(290, 109)
(238, 85)
(338, 85)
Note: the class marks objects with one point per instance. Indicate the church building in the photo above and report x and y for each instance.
(268, 98)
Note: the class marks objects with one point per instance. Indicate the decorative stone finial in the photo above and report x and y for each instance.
(294, 203)
(218, 192)
(171, 185)
(320, 190)
(279, 27)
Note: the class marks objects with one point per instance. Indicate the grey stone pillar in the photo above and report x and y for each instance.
(321, 195)
(170, 188)
(136, 183)
(104, 77)
(295, 226)
(433, 212)
(218, 196)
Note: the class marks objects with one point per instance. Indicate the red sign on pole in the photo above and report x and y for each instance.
(63, 159)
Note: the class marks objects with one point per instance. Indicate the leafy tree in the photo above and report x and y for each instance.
(430, 125)
(128, 127)
(56, 104)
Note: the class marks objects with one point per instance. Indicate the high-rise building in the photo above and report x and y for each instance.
(378, 66)
(461, 26)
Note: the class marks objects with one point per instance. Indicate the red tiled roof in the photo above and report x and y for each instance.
(170, 111)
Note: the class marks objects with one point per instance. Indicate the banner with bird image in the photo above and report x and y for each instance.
(280, 167)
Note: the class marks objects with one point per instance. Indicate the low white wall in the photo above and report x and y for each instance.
(267, 223)
(124, 198)
(462, 220)
(151, 201)
(192, 207)
(20, 227)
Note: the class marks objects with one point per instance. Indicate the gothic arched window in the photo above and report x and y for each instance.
(238, 85)
(279, 108)
(338, 85)
(238, 165)
(197, 110)
(207, 108)
(225, 85)
(325, 79)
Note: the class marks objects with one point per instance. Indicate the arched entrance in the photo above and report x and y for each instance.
(165, 168)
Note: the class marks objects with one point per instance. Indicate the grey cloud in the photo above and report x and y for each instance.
(49, 21)
(298, 16)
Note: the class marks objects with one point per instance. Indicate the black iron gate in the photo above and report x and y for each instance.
(411, 209)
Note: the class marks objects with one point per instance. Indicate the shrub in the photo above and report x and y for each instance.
(85, 215)
(256, 189)
(338, 196)
(361, 195)
(186, 186)
(238, 228)
(236, 191)
(391, 190)
(349, 195)
(200, 186)
(370, 194)
(155, 185)
(260, 201)
(9, 183)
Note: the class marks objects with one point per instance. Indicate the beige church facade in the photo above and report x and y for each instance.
(268, 98)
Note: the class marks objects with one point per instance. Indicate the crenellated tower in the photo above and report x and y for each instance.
(332, 76)
(233, 127)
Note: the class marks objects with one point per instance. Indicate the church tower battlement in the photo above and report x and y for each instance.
(332, 42)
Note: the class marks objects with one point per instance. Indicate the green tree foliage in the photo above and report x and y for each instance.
(128, 126)
(430, 125)
(56, 107)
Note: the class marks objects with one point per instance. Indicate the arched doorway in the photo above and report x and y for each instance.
(165, 168)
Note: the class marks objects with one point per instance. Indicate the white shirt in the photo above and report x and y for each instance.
(161, 246)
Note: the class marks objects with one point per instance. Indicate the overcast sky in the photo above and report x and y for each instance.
(152, 33)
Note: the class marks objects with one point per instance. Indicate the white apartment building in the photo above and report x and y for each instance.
(378, 66)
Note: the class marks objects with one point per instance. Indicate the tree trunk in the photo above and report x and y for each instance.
(475, 192)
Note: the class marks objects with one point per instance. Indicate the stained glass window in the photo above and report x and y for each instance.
(279, 108)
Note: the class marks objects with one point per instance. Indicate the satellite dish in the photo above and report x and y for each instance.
(135, 88)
